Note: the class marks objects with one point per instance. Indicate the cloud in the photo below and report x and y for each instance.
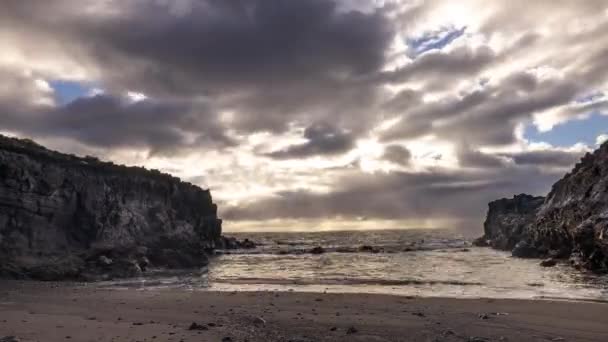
(377, 87)
(486, 117)
(548, 158)
(115, 122)
(468, 157)
(602, 138)
(322, 139)
(439, 64)
(397, 154)
(435, 195)
(268, 61)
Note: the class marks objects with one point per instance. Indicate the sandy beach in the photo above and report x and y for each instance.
(58, 312)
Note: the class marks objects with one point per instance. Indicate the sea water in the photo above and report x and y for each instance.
(429, 263)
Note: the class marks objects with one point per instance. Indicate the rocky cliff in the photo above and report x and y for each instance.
(572, 221)
(509, 220)
(65, 217)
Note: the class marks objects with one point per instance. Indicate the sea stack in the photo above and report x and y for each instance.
(66, 217)
(571, 222)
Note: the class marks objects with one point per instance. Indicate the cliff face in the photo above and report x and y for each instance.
(67, 217)
(509, 220)
(575, 213)
(572, 221)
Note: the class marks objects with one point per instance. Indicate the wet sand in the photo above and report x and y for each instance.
(51, 313)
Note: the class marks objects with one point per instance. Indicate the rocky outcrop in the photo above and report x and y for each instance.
(572, 221)
(508, 221)
(229, 243)
(65, 217)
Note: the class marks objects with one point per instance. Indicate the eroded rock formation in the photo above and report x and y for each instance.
(508, 220)
(65, 217)
(572, 221)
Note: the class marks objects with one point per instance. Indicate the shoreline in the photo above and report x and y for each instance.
(53, 312)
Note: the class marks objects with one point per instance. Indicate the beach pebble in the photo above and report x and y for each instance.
(352, 330)
(259, 321)
(548, 262)
(196, 326)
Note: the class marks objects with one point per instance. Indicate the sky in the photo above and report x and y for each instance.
(317, 114)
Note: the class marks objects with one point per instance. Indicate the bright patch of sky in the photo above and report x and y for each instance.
(567, 134)
(435, 40)
(68, 91)
(135, 96)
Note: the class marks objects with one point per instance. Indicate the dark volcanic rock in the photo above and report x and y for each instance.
(228, 242)
(508, 220)
(524, 249)
(317, 250)
(196, 326)
(65, 217)
(574, 216)
(248, 244)
(571, 222)
(548, 262)
(369, 249)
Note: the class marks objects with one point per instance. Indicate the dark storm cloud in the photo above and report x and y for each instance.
(269, 61)
(397, 154)
(108, 121)
(216, 44)
(323, 139)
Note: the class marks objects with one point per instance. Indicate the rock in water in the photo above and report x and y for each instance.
(572, 221)
(65, 217)
(317, 250)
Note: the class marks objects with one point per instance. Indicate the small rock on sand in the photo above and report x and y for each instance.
(259, 321)
(352, 330)
(196, 326)
(548, 262)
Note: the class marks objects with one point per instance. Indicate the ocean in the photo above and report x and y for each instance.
(427, 263)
